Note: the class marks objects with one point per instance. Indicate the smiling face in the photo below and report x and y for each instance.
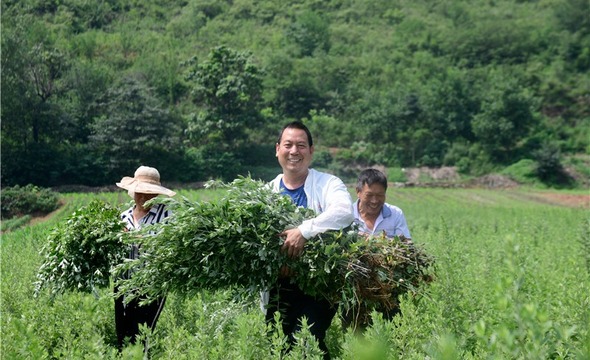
(371, 199)
(294, 152)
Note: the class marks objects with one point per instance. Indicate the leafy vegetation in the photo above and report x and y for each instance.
(194, 87)
(80, 252)
(15, 223)
(236, 240)
(505, 289)
(27, 200)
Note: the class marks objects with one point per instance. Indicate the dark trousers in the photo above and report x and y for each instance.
(292, 305)
(129, 316)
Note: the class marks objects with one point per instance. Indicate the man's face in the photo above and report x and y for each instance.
(371, 199)
(294, 153)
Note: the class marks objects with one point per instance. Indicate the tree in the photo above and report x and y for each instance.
(134, 128)
(505, 116)
(32, 70)
(310, 32)
(228, 91)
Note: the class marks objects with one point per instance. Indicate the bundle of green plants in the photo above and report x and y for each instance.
(230, 242)
(235, 243)
(80, 252)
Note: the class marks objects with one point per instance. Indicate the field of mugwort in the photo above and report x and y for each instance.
(511, 281)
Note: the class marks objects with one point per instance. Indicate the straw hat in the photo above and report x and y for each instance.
(145, 181)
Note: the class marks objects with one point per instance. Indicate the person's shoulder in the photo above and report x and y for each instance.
(323, 175)
(277, 179)
(127, 212)
(392, 208)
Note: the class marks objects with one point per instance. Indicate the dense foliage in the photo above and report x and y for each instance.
(479, 85)
(80, 252)
(27, 200)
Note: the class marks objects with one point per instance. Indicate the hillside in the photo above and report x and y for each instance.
(199, 89)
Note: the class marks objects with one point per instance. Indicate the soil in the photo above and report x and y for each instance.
(37, 218)
(448, 176)
(442, 174)
(572, 200)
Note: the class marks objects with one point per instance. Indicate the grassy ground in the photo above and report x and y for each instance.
(512, 281)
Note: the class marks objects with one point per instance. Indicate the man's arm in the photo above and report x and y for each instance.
(334, 207)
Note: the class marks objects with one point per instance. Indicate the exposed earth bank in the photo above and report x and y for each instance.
(449, 177)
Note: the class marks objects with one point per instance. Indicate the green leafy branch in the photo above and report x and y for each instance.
(81, 252)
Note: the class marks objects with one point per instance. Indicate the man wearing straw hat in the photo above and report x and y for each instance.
(143, 186)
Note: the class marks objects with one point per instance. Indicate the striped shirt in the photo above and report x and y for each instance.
(156, 214)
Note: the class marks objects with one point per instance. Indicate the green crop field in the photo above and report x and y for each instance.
(512, 281)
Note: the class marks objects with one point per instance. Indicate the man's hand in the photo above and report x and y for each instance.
(294, 242)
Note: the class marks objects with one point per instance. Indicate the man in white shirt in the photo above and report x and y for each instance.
(374, 217)
(371, 213)
(328, 196)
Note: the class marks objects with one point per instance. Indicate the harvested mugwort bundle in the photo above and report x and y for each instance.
(81, 252)
(229, 243)
(234, 242)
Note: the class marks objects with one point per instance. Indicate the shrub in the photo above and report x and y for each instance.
(522, 171)
(29, 199)
(396, 174)
(549, 167)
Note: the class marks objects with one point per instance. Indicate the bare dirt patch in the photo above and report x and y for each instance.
(572, 200)
(425, 174)
(448, 176)
(494, 181)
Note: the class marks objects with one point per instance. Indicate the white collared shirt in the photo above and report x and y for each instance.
(328, 196)
(391, 220)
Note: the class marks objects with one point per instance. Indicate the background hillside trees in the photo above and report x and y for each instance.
(227, 90)
(133, 127)
(403, 83)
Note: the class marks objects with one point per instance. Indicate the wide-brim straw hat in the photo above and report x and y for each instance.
(146, 180)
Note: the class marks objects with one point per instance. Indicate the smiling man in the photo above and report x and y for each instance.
(371, 213)
(374, 217)
(328, 196)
